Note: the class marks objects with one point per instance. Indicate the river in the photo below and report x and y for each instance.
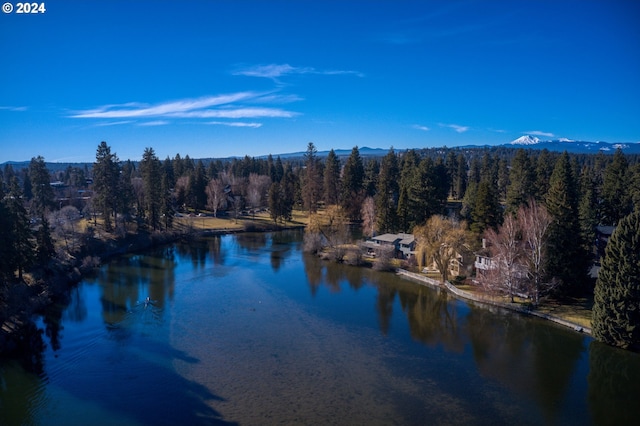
(246, 329)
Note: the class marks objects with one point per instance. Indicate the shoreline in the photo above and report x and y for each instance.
(63, 277)
(470, 297)
(49, 285)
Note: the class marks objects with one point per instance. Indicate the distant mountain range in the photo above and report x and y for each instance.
(364, 151)
(527, 141)
(577, 147)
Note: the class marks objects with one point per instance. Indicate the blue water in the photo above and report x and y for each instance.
(247, 329)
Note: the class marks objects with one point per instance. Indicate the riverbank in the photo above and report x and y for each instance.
(488, 300)
(48, 284)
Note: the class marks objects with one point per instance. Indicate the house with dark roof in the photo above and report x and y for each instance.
(403, 245)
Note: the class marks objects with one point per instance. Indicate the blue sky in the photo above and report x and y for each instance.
(222, 78)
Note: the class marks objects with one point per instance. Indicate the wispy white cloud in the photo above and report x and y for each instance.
(540, 133)
(166, 108)
(458, 128)
(13, 108)
(274, 71)
(276, 99)
(419, 127)
(236, 113)
(232, 105)
(154, 123)
(235, 124)
(114, 123)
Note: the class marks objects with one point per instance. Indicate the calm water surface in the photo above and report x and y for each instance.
(245, 329)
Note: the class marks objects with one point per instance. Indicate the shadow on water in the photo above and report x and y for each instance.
(529, 357)
(145, 391)
(141, 384)
(478, 355)
(127, 373)
(614, 385)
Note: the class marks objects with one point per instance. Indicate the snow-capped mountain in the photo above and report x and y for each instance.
(525, 140)
(581, 147)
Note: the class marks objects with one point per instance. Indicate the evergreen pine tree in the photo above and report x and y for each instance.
(178, 167)
(6, 236)
(166, 208)
(460, 179)
(616, 199)
(332, 179)
(544, 168)
(521, 182)
(407, 196)
(273, 200)
(588, 211)
(424, 193)
(469, 201)
(634, 190)
(197, 186)
(352, 177)
(486, 211)
(311, 179)
(22, 248)
(152, 183)
(451, 162)
(43, 197)
(387, 193)
(44, 244)
(167, 170)
(127, 193)
(616, 309)
(566, 258)
(279, 170)
(106, 174)
(503, 179)
(371, 173)
(441, 183)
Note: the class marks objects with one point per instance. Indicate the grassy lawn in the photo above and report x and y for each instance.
(260, 220)
(577, 310)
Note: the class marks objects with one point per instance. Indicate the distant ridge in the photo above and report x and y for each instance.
(364, 152)
(576, 147)
(526, 141)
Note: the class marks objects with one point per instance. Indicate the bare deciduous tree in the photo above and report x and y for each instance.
(257, 190)
(368, 213)
(507, 272)
(64, 224)
(439, 241)
(216, 198)
(534, 221)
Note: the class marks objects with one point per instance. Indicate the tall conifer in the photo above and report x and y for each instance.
(616, 309)
(566, 258)
(616, 199)
(331, 179)
(387, 193)
(106, 174)
(152, 182)
(352, 192)
(521, 182)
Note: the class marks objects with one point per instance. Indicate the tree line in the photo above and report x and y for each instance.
(483, 188)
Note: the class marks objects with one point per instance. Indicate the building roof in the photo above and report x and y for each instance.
(402, 238)
(389, 238)
(407, 239)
